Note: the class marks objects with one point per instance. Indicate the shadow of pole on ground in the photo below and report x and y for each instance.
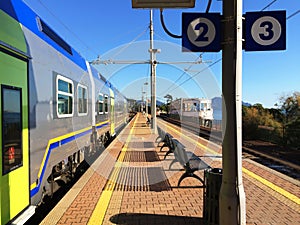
(145, 218)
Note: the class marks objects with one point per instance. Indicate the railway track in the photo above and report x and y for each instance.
(286, 165)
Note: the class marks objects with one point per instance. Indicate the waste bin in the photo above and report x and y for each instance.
(212, 182)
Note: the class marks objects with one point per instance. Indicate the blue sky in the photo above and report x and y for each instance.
(115, 31)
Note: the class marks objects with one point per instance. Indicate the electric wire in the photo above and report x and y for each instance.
(174, 83)
(214, 63)
(130, 43)
(267, 6)
(293, 14)
(66, 27)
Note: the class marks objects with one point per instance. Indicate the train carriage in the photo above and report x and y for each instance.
(197, 110)
(55, 110)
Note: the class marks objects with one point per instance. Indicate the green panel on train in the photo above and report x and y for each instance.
(14, 160)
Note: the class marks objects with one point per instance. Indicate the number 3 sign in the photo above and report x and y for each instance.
(201, 32)
(265, 31)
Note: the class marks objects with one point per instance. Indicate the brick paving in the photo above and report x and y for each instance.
(146, 191)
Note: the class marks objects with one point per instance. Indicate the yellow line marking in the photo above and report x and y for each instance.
(269, 184)
(280, 190)
(99, 212)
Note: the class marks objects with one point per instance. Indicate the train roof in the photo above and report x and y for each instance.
(18, 10)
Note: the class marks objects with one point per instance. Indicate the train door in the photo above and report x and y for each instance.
(14, 147)
(112, 112)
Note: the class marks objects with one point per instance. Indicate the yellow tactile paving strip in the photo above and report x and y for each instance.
(100, 210)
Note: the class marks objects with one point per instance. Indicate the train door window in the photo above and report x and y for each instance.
(82, 100)
(106, 104)
(64, 97)
(100, 104)
(12, 157)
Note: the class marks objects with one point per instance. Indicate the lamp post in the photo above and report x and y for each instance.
(146, 83)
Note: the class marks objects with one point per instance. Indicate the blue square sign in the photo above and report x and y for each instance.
(201, 32)
(265, 31)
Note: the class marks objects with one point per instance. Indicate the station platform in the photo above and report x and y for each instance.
(131, 183)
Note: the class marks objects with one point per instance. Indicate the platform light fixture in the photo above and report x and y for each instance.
(160, 4)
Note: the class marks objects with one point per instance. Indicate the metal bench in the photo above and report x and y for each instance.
(169, 143)
(161, 136)
(166, 138)
(189, 161)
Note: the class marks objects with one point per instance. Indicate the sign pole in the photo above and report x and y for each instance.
(232, 195)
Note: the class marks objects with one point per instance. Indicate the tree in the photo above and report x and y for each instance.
(259, 123)
(169, 100)
(290, 108)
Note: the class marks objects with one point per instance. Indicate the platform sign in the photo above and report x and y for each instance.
(201, 32)
(265, 31)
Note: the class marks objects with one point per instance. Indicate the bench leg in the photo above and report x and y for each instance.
(185, 175)
(170, 151)
(158, 139)
(174, 161)
(165, 145)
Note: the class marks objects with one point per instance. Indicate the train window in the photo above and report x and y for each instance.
(105, 103)
(82, 100)
(12, 157)
(100, 103)
(64, 97)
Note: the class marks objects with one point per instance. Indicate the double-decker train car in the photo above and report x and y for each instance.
(55, 110)
(196, 110)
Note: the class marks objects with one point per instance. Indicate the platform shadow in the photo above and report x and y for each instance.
(150, 219)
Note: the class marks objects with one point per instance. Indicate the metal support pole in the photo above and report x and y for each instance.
(232, 196)
(153, 77)
(146, 99)
(142, 102)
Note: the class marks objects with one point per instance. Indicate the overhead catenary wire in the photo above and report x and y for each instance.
(289, 17)
(214, 63)
(66, 27)
(182, 75)
(130, 43)
(267, 6)
(293, 14)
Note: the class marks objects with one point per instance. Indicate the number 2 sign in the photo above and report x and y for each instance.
(201, 32)
(265, 31)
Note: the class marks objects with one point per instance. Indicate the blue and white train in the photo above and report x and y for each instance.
(55, 110)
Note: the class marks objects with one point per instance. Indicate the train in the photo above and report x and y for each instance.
(56, 110)
(196, 110)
